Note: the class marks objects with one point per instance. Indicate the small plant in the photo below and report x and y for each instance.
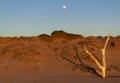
(103, 66)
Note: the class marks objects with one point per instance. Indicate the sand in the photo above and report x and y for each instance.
(38, 59)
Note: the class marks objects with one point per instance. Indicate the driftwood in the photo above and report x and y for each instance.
(81, 64)
(102, 66)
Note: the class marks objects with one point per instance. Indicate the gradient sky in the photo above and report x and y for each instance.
(34, 17)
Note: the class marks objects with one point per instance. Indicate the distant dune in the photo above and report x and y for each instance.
(38, 59)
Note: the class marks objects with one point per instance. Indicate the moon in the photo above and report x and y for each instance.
(64, 7)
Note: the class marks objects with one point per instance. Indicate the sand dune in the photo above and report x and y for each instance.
(38, 59)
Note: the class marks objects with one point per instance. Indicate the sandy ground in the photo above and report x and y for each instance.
(38, 59)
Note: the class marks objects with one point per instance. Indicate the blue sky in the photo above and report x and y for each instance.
(34, 17)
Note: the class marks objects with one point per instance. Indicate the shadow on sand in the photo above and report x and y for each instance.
(117, 76)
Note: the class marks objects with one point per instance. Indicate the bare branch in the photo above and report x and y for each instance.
(104, 58)
(69, 60)
(81, 64)
(107, 41)
(92, 57)
(102, 67)
(78, 56)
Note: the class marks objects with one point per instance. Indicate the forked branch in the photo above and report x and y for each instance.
(101, 66)
(81, 64)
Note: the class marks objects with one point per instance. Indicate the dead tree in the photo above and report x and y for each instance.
(81, 64)
(102, 66)
(88, 68)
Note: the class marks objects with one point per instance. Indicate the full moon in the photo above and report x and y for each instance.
(64, 6)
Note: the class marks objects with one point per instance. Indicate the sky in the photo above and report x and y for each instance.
(35, 17)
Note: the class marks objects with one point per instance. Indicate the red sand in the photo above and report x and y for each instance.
(37, 59)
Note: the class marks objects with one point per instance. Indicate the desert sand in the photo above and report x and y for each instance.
(38, 59)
